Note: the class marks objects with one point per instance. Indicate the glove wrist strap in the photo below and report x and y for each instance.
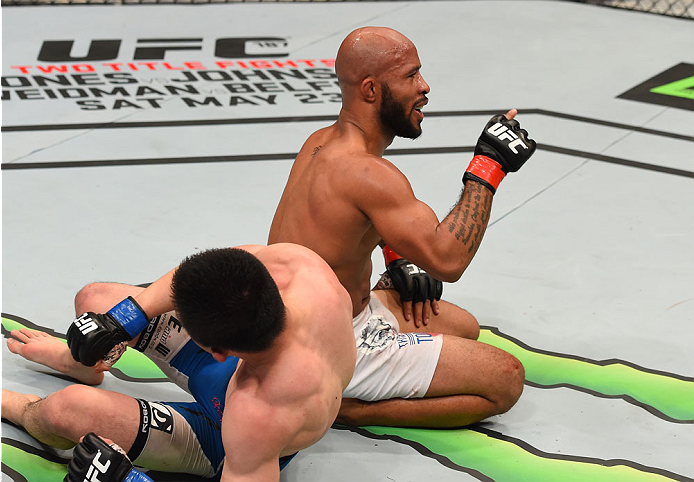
(486, 171)
(389, 255)
(136, 476)
(130, 315)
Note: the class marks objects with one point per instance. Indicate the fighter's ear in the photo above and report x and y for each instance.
(219, 354)
(368, 89)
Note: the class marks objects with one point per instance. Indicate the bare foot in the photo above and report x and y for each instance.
(14, 404)
(50, 351)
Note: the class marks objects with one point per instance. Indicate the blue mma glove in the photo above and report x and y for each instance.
(92, 335)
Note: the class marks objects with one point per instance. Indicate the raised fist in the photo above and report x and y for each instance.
(503, 141)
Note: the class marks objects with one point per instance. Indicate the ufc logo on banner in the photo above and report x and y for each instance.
(156, 48)
(504, 133)
(85, 324)
(96, 468)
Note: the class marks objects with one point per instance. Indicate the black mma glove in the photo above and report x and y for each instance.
(413, 284)
(502, 147)
(92, 335)
(95, 460)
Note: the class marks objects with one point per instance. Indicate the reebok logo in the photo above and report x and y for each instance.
(505, 134)
(147, 334)
(85, 324)
(161, 418)
(96, 468)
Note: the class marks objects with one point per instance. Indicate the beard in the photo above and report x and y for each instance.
(393, 117)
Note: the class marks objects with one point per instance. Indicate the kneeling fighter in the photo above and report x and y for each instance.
(273, 350)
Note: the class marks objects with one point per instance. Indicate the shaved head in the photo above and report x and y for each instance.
(378, 69)
(368, 52)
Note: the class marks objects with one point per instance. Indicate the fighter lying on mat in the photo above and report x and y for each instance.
(278, 350)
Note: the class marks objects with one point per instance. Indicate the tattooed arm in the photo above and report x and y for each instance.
(468, 219)
(411, 228)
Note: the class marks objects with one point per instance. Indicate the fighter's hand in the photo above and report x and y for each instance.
(91, 336)
(503, 141)
(95, 460)
(502, 147)
(419, 291)
(420, 311)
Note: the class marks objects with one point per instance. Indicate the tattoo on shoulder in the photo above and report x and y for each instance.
(316, 149)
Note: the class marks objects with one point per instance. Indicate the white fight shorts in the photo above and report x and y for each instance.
(390, 364)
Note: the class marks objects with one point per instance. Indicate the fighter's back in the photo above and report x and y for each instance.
(291, 394)
(318, 208)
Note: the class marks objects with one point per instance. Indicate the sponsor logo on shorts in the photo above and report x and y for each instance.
(155, 416)
(162, 349)
(146, 336)
(377, 335)
(407, 339)
(158, 335)
(218, 407)
(162, 419)
(144, 425)
(172, 324)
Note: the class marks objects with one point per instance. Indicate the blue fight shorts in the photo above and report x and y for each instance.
(183, 436)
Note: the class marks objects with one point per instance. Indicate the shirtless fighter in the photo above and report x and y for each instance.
(273, 352)
(342, 199)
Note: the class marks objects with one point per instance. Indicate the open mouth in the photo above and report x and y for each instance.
(418, 108)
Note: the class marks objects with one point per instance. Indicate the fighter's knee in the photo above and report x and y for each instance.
(512, 378)
(471, 325)
(457, 321)
(90, 297)
(467, 324)
(51, 412)
(55, 410)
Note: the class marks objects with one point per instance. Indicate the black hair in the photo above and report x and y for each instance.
(226, 299)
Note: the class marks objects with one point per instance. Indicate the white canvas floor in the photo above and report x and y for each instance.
(586, 269)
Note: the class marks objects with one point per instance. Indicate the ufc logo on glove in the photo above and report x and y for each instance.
(504, 133)
(85, 324)
(412, 269)
(96, 468)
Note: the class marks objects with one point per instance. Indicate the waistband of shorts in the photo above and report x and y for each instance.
(142, 430)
